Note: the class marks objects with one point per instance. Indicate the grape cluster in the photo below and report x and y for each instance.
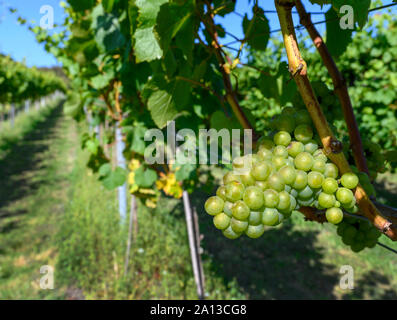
(288, 171)
(358, 234)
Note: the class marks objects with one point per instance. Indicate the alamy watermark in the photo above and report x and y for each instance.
(47, 20)
(347, 278)
(47, 281)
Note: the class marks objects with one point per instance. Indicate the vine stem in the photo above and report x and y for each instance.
(339, 86)
(298, 68)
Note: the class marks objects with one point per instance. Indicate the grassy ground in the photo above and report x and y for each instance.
(53, 211)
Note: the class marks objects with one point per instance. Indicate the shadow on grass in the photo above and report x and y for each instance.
(21, 160)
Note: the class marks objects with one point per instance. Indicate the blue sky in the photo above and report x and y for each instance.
(19, 42)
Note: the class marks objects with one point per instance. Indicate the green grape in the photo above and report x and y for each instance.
(350, 205)
(357, 247)
(306, 203)
(319, 154)
(304, 161)
(214, 205)
(344, 195)
(238, 226)
(289, 162)
(315, 179)
(228, 208)
(318, 165)
(234, 191)
(353, 209)
(261, 184)
(334, 215)
(276, 182)
(350, 232)
(326, 200)
(311, 146)
(337, 204)
(265, 154)
(295, 148)
(253, 198)
(300, 180)
(239, 162)
(282, 138)
(260, 171)
(331, 171)
(341, 229)
(294, 193)
(284, 201)
(305, 193)
(221, 192)
(302, 117)
(255, 232)
(271, 198)
(279, 162)
(266, 143)
(229, 177)
(240, 210)
(285, 123)
(288, 173)
(230, 234)
(303, 133)
(221, 221)
(330, 185)
(349, 180)
(287, 188)
(255, 218)
(292, 205)
(280, 151)
(247, 179)
(270, 217)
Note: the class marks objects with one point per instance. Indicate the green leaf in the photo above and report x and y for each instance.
(81, 5)
(145, 178)
(148, 11)
(162, 107)
(337, 39)
(102, 80)
(184, 172)
(138, 143)
(360, 9)
(108, 5)
(257, 29)
(114, 178)
(146, 46)
(170, 20)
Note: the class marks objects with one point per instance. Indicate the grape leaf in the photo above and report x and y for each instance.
(81, 5)
(337, 39)
(257, 30)
(162, 107)
(112, 179)
(145, 178)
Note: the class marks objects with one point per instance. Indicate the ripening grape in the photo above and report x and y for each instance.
(266, 143)
(303, 133)
(270, 198)
(285, 123)
(270, 217)
(280, 151)
(279, 162)
(260, 171)
(221, 221)
(318, 165)
(228, 208)
(334, 215)
(255, 218)
(238, 226)
(214, 205)
(326, 200)
(311, 146)
(303, 161)
(234, 191)
(349, 180)
(344, 195)
(265, 154)
(221, 192)
(315, 179)
(240, 210)
(330, 185)
(253, 197)
(284, 200)
(282, 138)
(229, 177)
(255, 231)
(331, 171)
(305, 193)
(288, 173)
(247, 179)
(230, 234)
(303, 117)
(276, 182)
(295, 148)
(261, 184)
(319, 154)
(300, 180)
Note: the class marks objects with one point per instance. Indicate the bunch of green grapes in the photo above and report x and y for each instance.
(358, 234)
(288, 171)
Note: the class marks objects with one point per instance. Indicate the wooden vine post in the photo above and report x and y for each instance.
(298, 69)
